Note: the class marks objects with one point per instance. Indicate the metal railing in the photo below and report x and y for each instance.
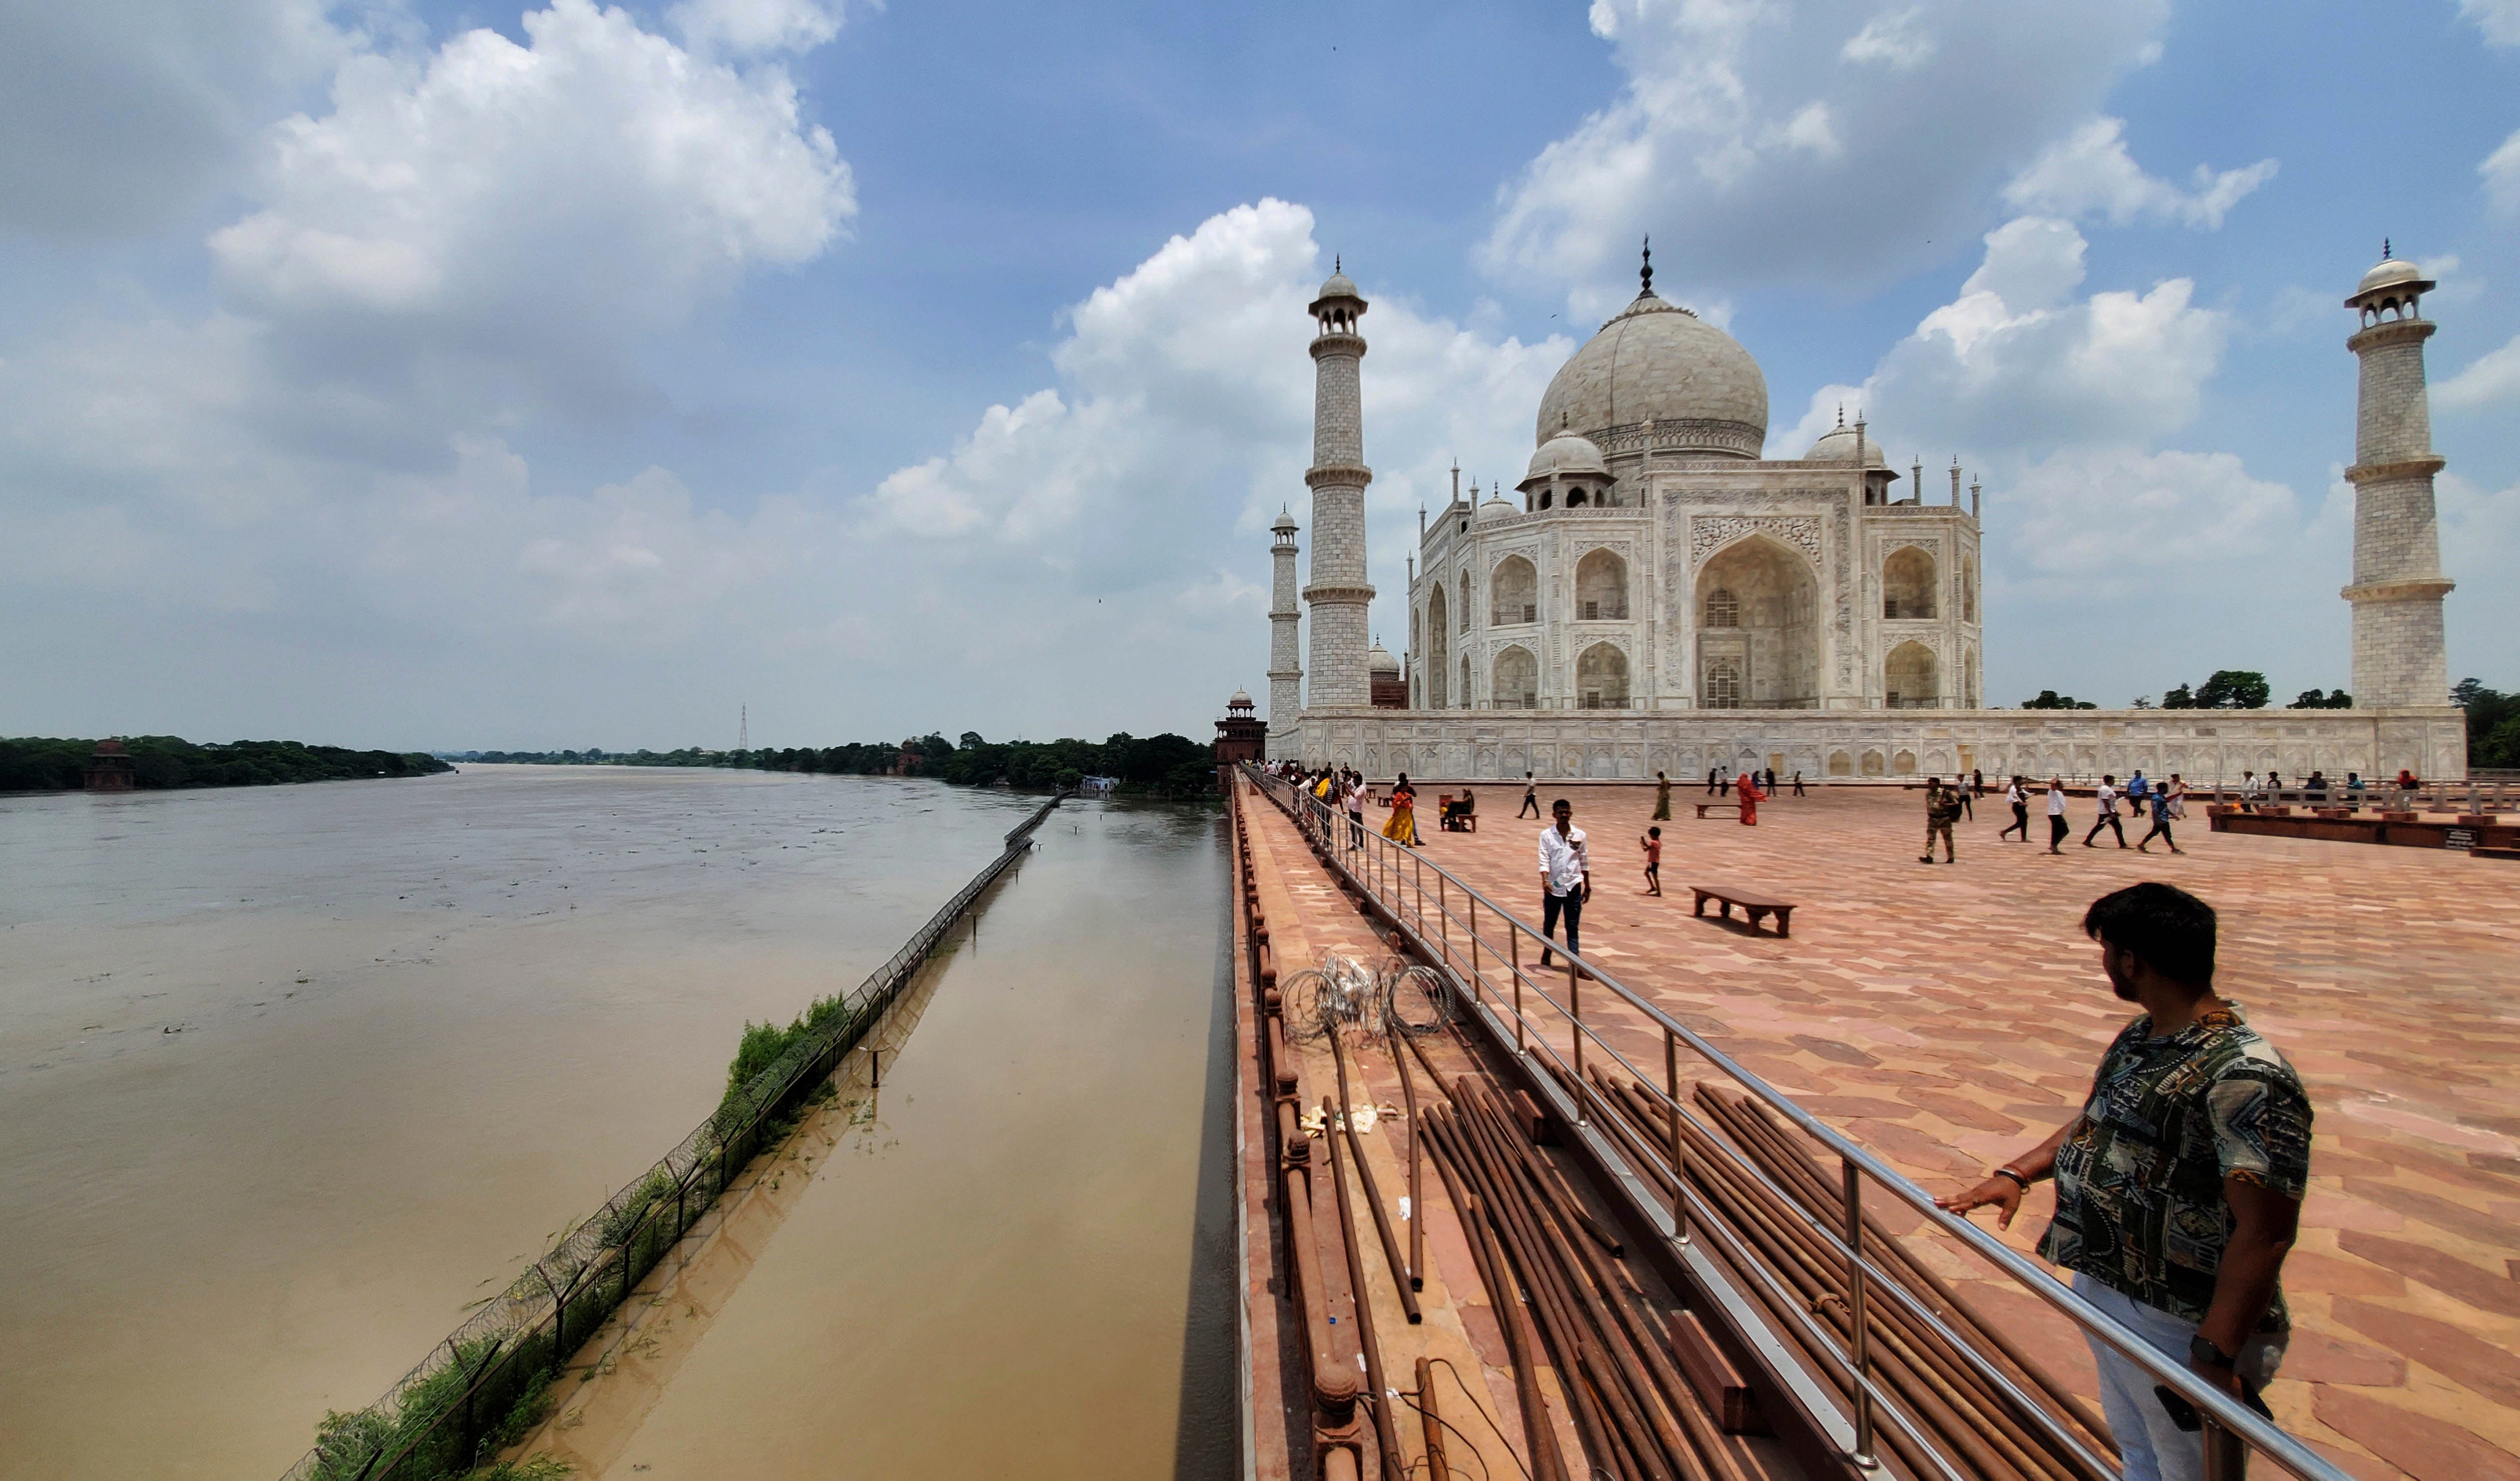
(453, 1409)
(1486, 949)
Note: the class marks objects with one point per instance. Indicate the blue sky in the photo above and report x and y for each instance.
(468, 375)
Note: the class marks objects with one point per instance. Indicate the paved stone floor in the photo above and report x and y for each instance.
(1947, 1016)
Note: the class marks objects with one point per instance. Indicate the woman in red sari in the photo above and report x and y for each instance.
(1749, 795)
(1402, 827)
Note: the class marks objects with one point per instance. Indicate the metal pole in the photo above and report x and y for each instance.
(1853, 1200)
(1444, 919)
(1575, 1015)
(1679, 1149)
(1513, 940)
(2225, 1457)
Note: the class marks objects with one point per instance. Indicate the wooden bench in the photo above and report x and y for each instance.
(1729, 807)
(1754, 907)
(1463, 819)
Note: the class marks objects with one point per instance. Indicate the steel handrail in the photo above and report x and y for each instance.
(2220, 1407)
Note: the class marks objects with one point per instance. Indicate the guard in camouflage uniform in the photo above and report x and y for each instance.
(1942, 810)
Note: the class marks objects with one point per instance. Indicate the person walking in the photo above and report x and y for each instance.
(1651, 844)
(1798, 784)
(1714, 772)
(2160, 826)
(1356, 812)
(2177, 790)
(1942, 810)
(1977, 781)
(2057, 826)
(1565, 878)
(1747, 793)
(1530, 797)
(1962, 796)
(1767, 784)
(1662, 799)
(2108, 818)
(2019, 797)
(1403, 826)
(2138, 792)
(2179, 1188)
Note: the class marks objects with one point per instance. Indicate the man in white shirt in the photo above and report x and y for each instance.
(2056, 825)
(2108, 818)
(1566, 877)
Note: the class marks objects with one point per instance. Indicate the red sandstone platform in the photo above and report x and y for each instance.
(1948, 1016)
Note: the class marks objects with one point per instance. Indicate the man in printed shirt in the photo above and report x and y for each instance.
(2179, 1188)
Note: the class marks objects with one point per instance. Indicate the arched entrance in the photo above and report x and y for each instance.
(1601, 677)
(1758, 611)
(1439, 634)
(1907, 678)
(1516, 680)
(1513, 595)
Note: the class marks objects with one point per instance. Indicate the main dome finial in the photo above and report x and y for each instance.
(1646, 274)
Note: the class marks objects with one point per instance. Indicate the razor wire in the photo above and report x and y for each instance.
(452, 1411)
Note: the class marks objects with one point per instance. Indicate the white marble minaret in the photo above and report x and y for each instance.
(1338, 593)
(2398, 586)
(1285, 663)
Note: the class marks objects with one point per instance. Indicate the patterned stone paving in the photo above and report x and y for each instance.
(1947, 1016)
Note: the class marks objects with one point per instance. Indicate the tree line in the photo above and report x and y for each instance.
(2225, 688)
(45, 763)
(1165, 766)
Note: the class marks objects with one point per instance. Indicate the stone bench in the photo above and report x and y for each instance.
(1729, 807)
(1755, 907)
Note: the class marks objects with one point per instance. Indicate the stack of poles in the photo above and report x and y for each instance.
(1974, 1428)
(1564, 1298)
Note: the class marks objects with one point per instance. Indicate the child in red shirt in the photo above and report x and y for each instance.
(1651, 844)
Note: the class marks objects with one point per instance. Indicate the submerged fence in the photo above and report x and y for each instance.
(478, 1391)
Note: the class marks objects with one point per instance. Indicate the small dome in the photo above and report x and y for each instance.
(1240, 700)
(1286, 521)
(1380, 663)
(2390, 272)
(1338, 285)
(1495, 509)
(1839, 447)
(1566, 452)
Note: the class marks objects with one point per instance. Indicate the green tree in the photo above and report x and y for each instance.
(2048, 698)
(2182, 697)
(2233, 688)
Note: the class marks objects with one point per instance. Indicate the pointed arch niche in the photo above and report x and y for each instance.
(1513, 593)
(1517, 677)
(1758, 624)
(1438, 636)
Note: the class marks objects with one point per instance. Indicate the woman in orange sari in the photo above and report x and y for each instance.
(1402, 827)
(1747, 791)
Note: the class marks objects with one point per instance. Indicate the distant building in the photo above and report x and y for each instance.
(109, 769)
(1386, 685)
(1240, 736)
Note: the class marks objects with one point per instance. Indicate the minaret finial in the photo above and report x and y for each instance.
(1335, 265)
(1646, 274)
(1841, 416)
(2385, 253)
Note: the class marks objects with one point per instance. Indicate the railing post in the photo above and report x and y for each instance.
(2225, 1457)
(1857, 1346)
(1443, 920)
(1575, 1015)
(1513, 941)
(1678, 1150)
(1473, 905)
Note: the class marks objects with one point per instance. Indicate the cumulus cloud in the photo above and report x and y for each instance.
(1732, 145)
(756, 27)
(2090, 172)
(2080, 512)
(2500, 171)
(2498, 19)
(2493, 377)
(128, 114)
(2018, 358)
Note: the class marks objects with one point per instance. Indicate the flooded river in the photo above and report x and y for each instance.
(288, 1076)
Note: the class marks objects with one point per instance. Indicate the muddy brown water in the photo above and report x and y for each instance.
(420, 1027)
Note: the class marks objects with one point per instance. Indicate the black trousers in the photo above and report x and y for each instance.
(1571, 905)
(1968, 806)
(2161, 830)
(2110, 821)
(2057, 829)
(1530, 804)
(2021, 820)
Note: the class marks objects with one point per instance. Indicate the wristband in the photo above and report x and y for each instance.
(2018, 1178)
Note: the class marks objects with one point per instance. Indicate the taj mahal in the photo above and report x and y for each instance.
(1658, 595)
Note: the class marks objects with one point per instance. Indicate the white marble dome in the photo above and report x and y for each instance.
(1380, 664)
(1655, 361)
(1566, 452)
(1496, 509)
(1839, 447)
(2389, 273)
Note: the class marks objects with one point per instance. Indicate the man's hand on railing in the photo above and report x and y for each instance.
(2000, 1192)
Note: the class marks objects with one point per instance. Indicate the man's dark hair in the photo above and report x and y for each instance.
(2169, 929)
(1561, 802)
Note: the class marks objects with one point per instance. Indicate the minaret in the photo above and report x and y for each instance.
(2398, 587)
(1286, 666)
(1338, 593)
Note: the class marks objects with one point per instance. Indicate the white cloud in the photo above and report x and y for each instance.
(2502, 173)
(2017, 360)
(126, 114)
(1896, 39)
(1745, 159)
(599, 178)
(2083, 512)
(754, 27)
(2498, 19)
(2493, 377)
(2089, 172)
